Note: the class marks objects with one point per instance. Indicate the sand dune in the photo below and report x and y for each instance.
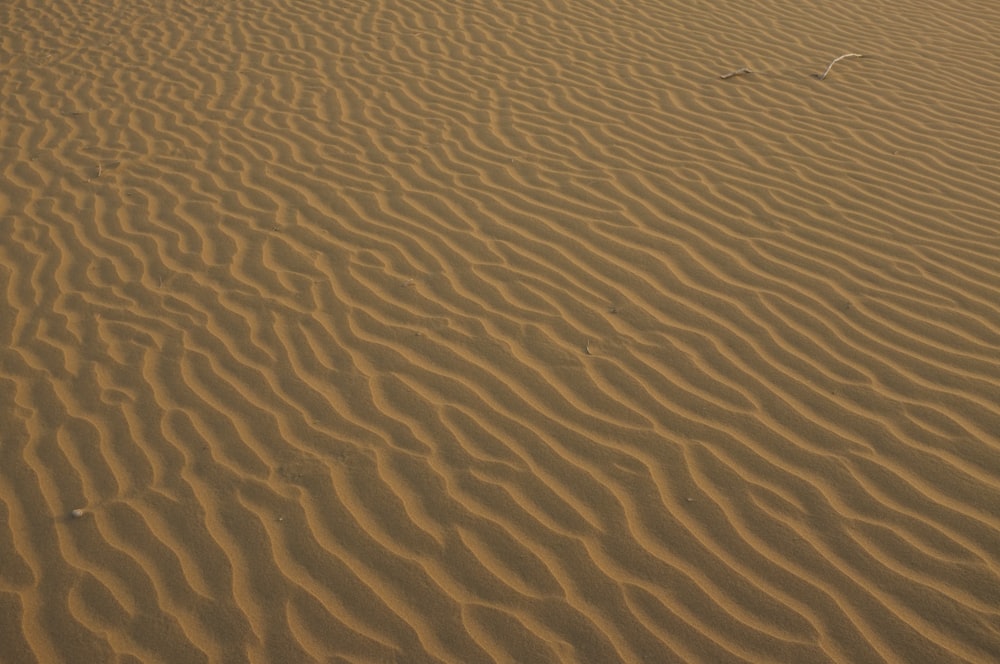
(481, 331)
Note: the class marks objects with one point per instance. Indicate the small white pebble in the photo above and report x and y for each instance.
(77, 513)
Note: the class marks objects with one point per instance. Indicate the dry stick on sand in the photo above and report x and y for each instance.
(835, 61)
(744, 70)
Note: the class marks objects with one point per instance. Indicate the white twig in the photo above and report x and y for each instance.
(836, 60)
(743, 70)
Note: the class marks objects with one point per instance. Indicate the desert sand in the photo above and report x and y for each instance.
(477, 331)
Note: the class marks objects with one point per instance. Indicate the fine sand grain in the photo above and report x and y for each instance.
(478, 331)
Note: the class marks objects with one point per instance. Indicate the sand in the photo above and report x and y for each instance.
(475, 331)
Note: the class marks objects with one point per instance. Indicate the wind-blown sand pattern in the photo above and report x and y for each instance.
(472, 331)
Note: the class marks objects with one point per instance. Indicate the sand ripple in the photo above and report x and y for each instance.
(481, 332)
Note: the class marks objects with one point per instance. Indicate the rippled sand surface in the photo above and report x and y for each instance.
(470, 331)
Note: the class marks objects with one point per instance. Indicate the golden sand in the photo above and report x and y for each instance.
(477, 331)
